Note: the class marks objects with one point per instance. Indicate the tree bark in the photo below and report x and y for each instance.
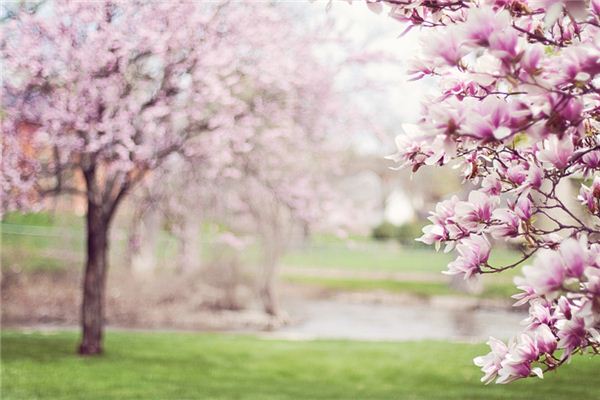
(189, 249)
(94, 282)
(268, 292)
(143, 258)
(269, 298)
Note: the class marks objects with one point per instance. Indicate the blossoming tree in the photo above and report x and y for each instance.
(112, 89)
(280, 167)
(519, 113)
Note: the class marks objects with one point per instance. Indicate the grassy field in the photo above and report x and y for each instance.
(206, 366)
(378, 256)
(492, 289)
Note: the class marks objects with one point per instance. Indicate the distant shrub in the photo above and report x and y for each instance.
(404, 234)
(384, 231)
(407, 233)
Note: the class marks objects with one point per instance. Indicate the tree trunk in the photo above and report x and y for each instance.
(143, 258)
(267, 290)
(269, 298)
(189, 248)
(94, 282)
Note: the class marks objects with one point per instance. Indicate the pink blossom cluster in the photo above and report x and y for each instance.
(518, 112)
(109, 90)
(562, 288)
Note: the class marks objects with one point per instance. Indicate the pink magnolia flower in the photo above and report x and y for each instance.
(491, 363)
(516, 173)
(564, 307)
(574, 253)
(443, 227)
(474, 251)
(478, 209)
(592, 285)
(590, 195)
(433, 234)
(411, 152)
(576, 64)
(483, 22)
(546, 275)
(507, 226)
(530, 61)
(523, 208)
(459, 88)
(491, 185)
(571, 333)
(557, 152)
(540, 313)
(545, 340)
(444, 211)
(527, 294)
(503, 44)
(445, 46)
(447, 116)
(517, 363)
(495, 119)
(591, 160)
(535, 176)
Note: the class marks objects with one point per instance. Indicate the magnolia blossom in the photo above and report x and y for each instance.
(518, 361)
(517, 112)
(474, 252)
(557, 152)
(508, 224)
(478, 209)
(491, 185)
(571, 334)
(574, 256)
(492, 362)
(523, 208)
(443, 227)
(545, 339)
(545, 276)
(590, 196)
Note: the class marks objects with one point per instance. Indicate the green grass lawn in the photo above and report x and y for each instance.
(491, 289)
(211, 366)
(378, 256)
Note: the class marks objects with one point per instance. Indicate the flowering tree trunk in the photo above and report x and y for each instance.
(103, 197)
(268, 282)
(187, 233)
(143, 240)
(94, 281)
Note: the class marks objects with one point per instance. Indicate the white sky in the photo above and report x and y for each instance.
(401, 101)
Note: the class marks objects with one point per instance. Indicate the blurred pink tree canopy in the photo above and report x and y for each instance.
(518, 112)
(99, 94)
